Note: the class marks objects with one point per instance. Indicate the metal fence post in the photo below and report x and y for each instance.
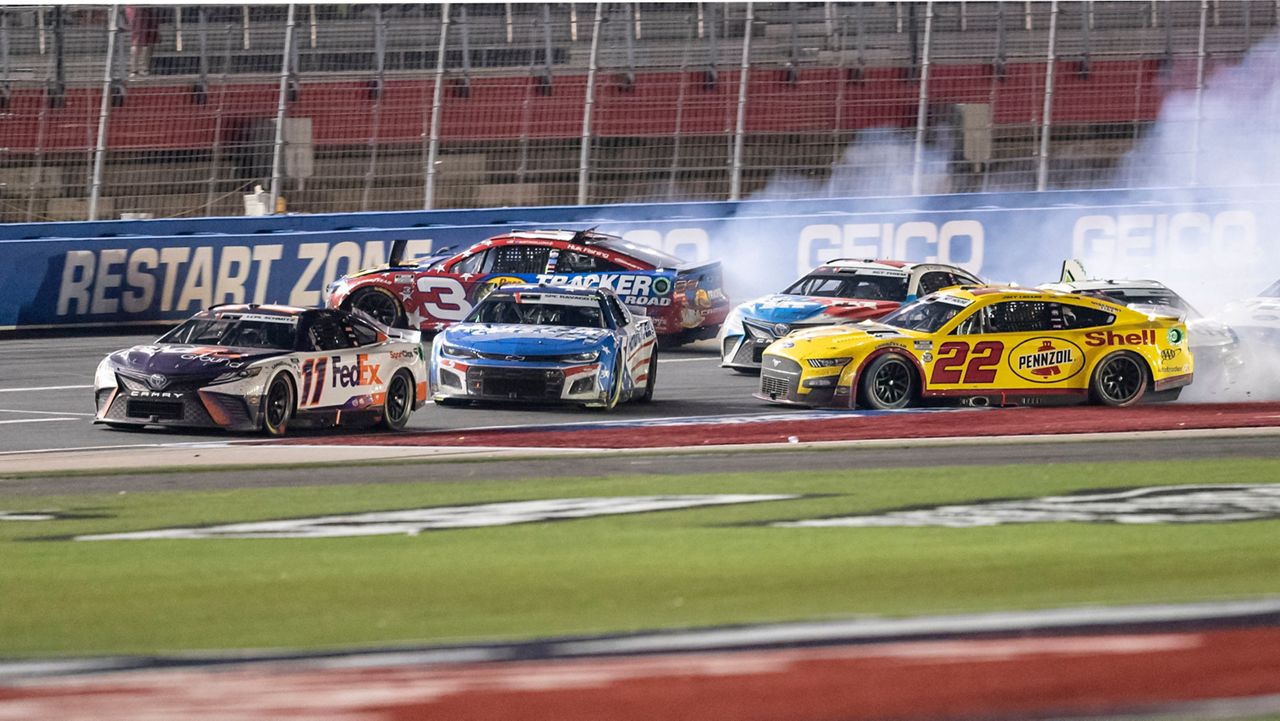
(378, 90)
(922, 105)
(1200, 58)
(437, 94)
(104, 111)
(740, 125)
(584, 154)
(1046, 120)
(277, 157)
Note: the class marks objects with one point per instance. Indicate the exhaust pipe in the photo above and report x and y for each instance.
(976, 402)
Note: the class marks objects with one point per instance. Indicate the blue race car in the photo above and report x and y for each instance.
(546, 344)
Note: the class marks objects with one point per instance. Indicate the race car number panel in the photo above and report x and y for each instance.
(983, 358)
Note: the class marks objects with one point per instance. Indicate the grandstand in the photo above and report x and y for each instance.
(336, 108)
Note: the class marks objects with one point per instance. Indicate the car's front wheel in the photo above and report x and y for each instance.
(277, 405)
(398, 405)
(380, 304)
(1119, 380)
(888, 383)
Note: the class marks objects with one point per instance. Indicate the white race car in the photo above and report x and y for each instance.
(838, 291)
(252, 367)
(1215, 346)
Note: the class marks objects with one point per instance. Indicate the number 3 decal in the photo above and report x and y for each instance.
(443, 298)
(981, 368)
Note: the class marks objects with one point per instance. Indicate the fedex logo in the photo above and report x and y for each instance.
(361, 373)
(1110, 337)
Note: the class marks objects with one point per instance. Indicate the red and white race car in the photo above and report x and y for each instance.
(844, 290)
(685, 301)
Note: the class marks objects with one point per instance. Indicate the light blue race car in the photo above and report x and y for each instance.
(546, 344)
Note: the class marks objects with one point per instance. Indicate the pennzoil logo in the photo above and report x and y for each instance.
(1046, 360)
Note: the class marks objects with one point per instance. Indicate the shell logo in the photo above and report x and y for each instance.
(1046, 360)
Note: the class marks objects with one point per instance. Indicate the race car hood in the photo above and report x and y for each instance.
(524, 339)
(791, 309)
(834, 339)
(192, 360)
(1261, 311)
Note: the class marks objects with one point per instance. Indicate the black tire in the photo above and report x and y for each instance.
(615, 394)
(398, 405)
(381, 304)
(888, 383)
(1119, 380)
(278, 405)
(651, 379)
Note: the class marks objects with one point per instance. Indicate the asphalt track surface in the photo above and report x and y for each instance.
(46, 405)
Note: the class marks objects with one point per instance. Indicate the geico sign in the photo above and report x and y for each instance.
(959, 242)
(1230, 236)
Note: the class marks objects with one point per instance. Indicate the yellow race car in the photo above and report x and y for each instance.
(984, 345)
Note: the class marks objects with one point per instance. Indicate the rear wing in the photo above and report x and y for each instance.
(1072, 270)
(395, 258)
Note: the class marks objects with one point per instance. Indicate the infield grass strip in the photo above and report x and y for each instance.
(670, 569)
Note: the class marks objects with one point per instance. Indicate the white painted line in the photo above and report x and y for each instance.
(45, 413)
(879, 627)
(42, 388)
(39, 420)
(686, 360)
(121, 447)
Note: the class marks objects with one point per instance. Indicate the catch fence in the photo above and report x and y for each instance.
(181, 111)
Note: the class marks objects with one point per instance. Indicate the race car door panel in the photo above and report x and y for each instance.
(1015, 344)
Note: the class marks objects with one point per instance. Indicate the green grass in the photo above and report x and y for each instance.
(623, 573)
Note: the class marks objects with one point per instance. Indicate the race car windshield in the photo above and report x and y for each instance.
(508, 310)
(926, 315)
(233, 332)
(864, 286)
(1147, 296)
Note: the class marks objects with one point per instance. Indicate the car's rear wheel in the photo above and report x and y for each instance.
(888, 383)
(1119, 380)
(277, 405)
(378, 303)
(651, 378)
(398, 405)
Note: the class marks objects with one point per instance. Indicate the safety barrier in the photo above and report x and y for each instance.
(95, 274)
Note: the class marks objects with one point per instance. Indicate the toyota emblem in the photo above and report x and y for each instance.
(157, 381)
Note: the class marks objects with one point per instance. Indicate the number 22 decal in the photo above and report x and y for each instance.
(980, 369)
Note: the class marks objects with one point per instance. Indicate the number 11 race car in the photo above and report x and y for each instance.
(251, 367)
(988, 345)
(685, 301)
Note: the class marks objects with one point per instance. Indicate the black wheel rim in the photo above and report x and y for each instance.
(381, 306)
(398, 399)
(277, 404)
(1121, 379)
(892, 383)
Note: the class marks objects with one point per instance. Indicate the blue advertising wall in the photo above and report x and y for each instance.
(117, 272)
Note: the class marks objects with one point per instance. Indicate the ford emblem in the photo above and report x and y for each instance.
(157, 381)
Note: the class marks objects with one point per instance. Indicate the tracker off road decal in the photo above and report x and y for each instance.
(414, 521)
(1158, 504)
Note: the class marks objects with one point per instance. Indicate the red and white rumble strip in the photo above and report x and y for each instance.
(1065, 663)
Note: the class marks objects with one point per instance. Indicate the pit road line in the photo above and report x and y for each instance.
(42, 388)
